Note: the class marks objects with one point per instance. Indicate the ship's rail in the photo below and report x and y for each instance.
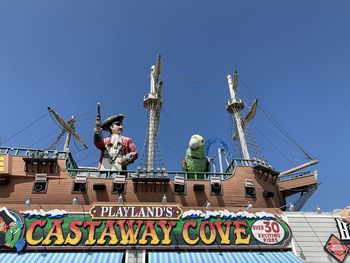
(247, 163)
(93, 172)
(29, 152)
(73, 169)
(90, 172)
(296, 175)
(239, 162)
(283, 178)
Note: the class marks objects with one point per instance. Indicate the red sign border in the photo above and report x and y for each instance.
(326, 249)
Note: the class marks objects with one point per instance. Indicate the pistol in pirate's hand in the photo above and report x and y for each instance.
(98, 128)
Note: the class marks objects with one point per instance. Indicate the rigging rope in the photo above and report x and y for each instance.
(42, 138)
(172, 150)
(26, 127)
(277, 125)
(169, 117)
(252, 144)
(88, 156)
(284, 132)
(135, 85)
(143, 161)
(58, 140)
(277, 149)
(78, 117)
(158, 154)
(76, 146)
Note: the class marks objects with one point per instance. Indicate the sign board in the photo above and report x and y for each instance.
(118, 226)
(339, 248)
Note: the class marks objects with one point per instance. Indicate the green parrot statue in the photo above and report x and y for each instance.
(195, 159)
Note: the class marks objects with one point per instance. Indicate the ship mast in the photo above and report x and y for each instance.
(153, 103)
(235, 106)
(67, 126)
(68, 137)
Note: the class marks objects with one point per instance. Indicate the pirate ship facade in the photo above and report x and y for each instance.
(150, 214)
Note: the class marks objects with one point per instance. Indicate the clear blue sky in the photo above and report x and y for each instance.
(292, 55)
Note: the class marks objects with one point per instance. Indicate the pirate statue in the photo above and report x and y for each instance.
(117, 151)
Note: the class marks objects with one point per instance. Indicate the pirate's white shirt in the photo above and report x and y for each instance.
(114, 148)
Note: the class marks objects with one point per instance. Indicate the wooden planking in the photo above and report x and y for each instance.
(233, 193)
(297, 183)
(60, 185)
(18, 167)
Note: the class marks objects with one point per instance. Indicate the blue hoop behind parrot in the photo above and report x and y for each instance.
(195, 159)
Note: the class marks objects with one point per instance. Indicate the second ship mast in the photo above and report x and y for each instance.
(153, 103)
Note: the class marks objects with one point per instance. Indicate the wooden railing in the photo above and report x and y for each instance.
(297, 175)
(28, 152)
(96, 173)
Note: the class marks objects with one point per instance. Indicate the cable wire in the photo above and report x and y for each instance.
(278, 125)
(42, 138)
(26, 127)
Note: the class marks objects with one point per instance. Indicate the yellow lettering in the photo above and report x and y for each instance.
(224, 236)
(55, 231)
(212, 234)
(128, 237)
(185, 234)
(166, 230)
(149, 232)
(110, 232)
(239, 230)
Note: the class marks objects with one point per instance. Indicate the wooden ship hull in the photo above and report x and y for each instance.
(20, 171)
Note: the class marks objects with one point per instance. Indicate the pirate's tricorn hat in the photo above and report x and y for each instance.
(5, 215)
(110, 120)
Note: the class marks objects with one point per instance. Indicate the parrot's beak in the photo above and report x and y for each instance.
(193, 144)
